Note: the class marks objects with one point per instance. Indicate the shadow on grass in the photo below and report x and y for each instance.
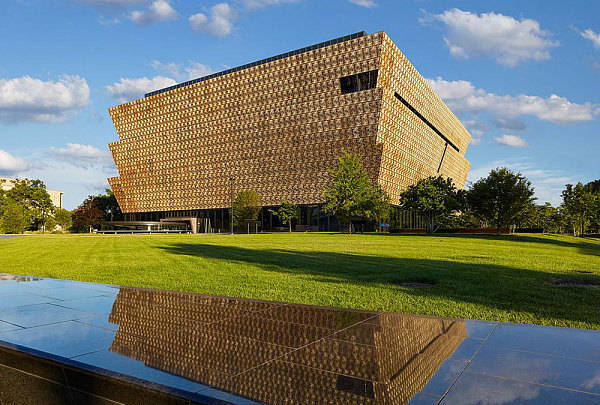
(493, 286)
(584, 244)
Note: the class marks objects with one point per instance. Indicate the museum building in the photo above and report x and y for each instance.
(277, 126)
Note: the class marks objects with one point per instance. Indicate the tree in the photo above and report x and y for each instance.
(34, 200)
(578, 207)
(500, 197)
(286, 213)
(63, 218)
(548, 218)
(246, 206)
(350, 191)
(378, 205)
(88, 215)
(108, 204)
(13, 218)
(433, 197)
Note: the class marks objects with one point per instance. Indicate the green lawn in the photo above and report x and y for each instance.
(507, 278)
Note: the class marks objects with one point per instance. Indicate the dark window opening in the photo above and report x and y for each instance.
(359, 82)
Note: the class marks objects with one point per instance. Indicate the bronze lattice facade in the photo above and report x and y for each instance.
(278, 125)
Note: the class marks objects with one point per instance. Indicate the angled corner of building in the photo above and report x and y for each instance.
(277, 126)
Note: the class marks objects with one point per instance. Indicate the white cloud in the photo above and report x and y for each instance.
(364, 3)
(180, 72)
(254, 4)
(220, 22)
(592, 36)
(128, 89)
(159, 10)
(511, 140)
(28, 99)
(82, 155)
(462, 96)
(503, 38)
(11, 164)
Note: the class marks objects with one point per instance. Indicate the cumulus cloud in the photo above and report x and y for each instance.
(462, 96)
(592, 36)
(82, 155)
(159, 10)
(10, 164)
(219, 23)
(127, 89)
(181, 72)
(507, 40)
(511, 140)
(29, 99)
(364, 3)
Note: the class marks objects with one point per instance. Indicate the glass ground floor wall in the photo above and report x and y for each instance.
(312, 218)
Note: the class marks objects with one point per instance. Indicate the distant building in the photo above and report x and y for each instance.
(56, 196)
(277, 126)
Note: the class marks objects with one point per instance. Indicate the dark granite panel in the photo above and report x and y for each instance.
(20, 299)
(31, 364)
(446, 375)
(479, 329)
(97, 305)
(479, 389)
(577, 343)
(18, 388)
(125, 365)
(40, 314)
(538, 368)
(119, 391)
(66, 339)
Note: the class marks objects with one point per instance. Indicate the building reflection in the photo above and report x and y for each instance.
(278, 354)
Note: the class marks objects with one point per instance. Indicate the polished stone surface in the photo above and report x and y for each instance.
(130, 343)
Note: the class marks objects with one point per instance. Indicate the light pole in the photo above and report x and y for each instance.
(231, 180)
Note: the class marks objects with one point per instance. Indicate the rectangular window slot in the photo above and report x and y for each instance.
(359, 82)
(426, 121)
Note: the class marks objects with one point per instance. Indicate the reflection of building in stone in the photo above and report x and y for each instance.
(284, 353)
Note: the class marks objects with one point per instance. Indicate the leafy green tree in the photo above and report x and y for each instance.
(108, 204)
(13, 218)
(378, 205)
(578, 207)
(435, 198)
(350, 192)
(287, 213)
(594, 188)
(35, 201)
(528, 217)
(63, 218)
(87, 215)
(548, 218)
(246, 206)
(500, 197)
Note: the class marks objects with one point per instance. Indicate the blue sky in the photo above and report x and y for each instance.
(524, 77)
